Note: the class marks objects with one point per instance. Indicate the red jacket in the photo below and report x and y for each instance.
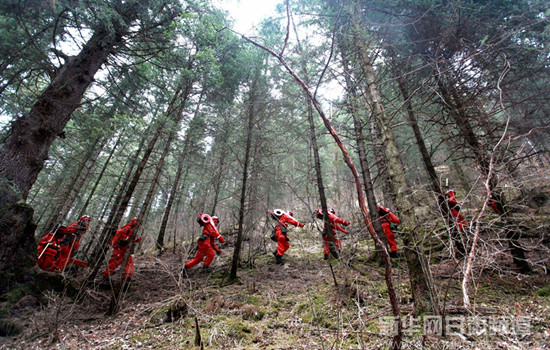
(121, 240)
(386, 216)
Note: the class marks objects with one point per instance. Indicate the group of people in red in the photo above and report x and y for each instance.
(57, 248)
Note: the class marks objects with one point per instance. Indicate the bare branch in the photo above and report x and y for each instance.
(287, 29)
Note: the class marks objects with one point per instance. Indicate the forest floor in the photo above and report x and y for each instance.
(293, 306)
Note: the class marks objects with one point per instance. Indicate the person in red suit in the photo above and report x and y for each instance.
(120, 243)
(280, 231)
(386, 219)
(334, 221)
(56, 249)
(70, 243)
(450, 196)
(204, 249)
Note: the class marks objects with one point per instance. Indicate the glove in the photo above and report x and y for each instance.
(137, 240)
(346, 223)
(221, 239)
(218, 252)
(301, 225)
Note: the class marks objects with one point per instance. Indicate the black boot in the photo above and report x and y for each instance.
(325, 257)
(278, 259)
(394, 254)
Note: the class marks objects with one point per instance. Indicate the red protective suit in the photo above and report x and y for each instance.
(280, 232)
(334, 221)
(387, 217)
(205, 249)
(56, 249)
(48, 250)
(455, 210)
(69, 245)
(120, 243)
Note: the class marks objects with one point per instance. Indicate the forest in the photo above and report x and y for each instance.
(348, 174)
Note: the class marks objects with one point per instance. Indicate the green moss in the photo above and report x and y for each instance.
(254, 300)
(323, 315)
(15, 294)
(544, 292)
(238, 329)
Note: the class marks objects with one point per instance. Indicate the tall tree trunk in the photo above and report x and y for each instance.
(354, 109)
(316, 159)
(25, 150)
(175, 185)
(242, 206)
(422, 286)
(381, 161)
(319, 177)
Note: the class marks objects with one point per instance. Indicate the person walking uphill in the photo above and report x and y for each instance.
(69, 245)
(120, 243)
(455, 210)
(334, 221)
(56, 249)
(280, 232)
(386, 219)
(209, 231)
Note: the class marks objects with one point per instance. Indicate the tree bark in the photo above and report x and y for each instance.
(25, 150)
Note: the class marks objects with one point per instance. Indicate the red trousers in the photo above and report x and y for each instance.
(389, 236)
(336, 241)
(64, 255)
(460, 222)
(116, 261)
(204, 250)
(282, 244)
